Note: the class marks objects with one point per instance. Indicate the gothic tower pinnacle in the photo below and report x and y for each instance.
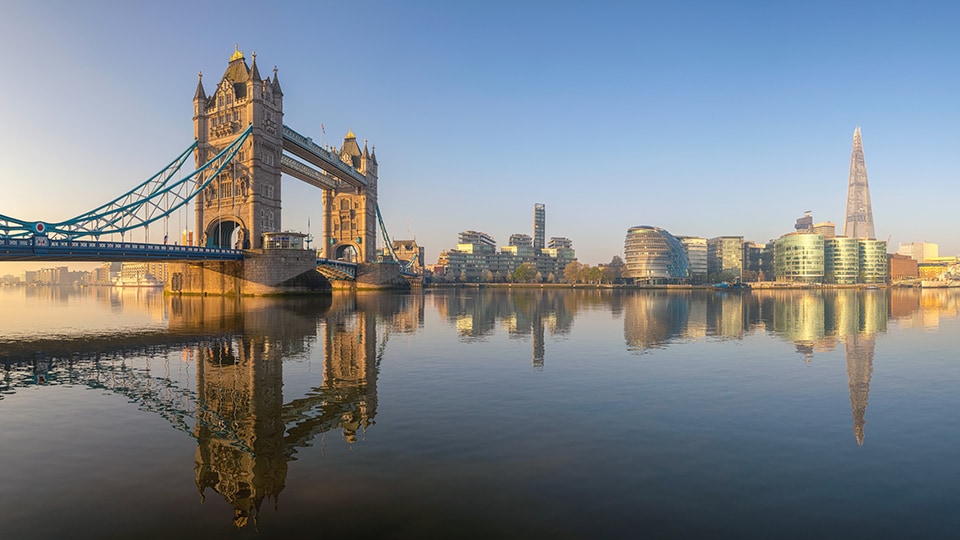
(859, 220)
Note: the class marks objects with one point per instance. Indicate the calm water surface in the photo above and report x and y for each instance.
(480, 414)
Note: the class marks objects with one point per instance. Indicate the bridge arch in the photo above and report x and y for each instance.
(229, 232)
(348, 252)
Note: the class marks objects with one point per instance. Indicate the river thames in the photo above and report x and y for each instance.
(480, 413)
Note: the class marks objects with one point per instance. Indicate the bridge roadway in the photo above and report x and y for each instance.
(41, 248)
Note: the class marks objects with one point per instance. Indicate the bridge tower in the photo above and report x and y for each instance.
(244, 202)
(350, 214)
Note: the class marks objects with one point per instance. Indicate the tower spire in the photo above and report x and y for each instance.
(199, 94)
(859, 220)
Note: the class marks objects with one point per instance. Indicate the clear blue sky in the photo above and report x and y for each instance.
(705, 118)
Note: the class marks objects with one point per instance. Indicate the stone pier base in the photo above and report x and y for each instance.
(262, 272)
(381, 275)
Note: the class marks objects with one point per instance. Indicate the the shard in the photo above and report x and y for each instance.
(859, 222)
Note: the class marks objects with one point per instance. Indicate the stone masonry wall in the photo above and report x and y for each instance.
(262, 272)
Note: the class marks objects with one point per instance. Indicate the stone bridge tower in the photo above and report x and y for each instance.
(350, 214)
(244, 201)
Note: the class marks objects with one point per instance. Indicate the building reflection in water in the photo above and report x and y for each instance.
(814, 321)
(523, 312)
(223, 382)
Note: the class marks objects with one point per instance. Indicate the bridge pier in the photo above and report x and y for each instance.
(260, 273)
(375, 276)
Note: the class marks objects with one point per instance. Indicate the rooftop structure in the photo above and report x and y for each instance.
(558, 242)
(826, 229)
(477, 238)
(521, 240)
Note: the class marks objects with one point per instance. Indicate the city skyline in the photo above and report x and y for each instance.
(704, 120)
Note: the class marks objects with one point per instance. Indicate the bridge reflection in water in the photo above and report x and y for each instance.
(216, 374)
(214, 367)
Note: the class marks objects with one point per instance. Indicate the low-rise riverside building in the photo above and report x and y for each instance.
(902, 267)
(476, 259)
(804, 257)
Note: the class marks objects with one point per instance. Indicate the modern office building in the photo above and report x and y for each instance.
(757, 261)
(539, 225)
(696, 250)
(919, 251)
(725, 257)
(859, 217)
(804, 223)
(652, 255)
(841, 260)
(798, 257)
(873, 261)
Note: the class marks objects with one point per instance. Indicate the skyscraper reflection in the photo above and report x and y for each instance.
(814, 321)
(522, 312)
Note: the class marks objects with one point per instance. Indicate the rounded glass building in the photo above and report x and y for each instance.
(799, 257)
(651, 254)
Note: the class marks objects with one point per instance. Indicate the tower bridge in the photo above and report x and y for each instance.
(242, 147)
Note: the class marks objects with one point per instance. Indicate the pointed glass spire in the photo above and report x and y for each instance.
(859, 221)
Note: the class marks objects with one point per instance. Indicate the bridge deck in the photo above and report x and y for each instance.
(41, 248)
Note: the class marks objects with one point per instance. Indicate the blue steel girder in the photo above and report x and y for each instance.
(152, 200)
(337, 270)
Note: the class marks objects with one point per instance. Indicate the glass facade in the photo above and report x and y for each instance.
(725, 257)
(873, 261)
(799, 257)
(652, 253)
(696, 249)
(841, 264)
